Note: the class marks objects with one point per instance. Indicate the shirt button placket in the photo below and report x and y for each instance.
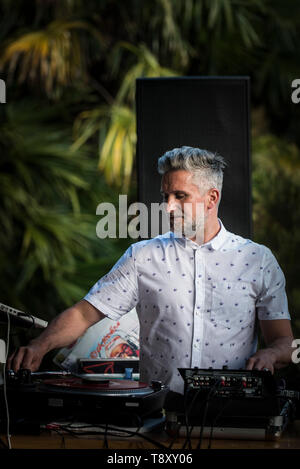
(198, 308)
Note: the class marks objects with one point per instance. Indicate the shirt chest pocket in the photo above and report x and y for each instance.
(232, 304)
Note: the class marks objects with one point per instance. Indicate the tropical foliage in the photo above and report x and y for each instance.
(276, 195)
(49, 194)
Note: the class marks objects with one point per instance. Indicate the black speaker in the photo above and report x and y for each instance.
(211, 113)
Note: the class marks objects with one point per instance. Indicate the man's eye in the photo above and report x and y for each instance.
(180, 196)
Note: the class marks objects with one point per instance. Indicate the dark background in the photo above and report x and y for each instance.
(210, 113)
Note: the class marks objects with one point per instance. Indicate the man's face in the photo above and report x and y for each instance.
(122, 350)
(185, 203)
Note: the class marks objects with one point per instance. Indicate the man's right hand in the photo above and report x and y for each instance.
(61, 332)
(29, 357)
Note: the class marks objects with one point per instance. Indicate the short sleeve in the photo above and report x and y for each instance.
(272, 302)
(116, 293)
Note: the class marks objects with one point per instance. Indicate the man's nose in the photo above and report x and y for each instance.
(172, 204)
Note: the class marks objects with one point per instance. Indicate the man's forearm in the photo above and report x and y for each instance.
(61, 332)
(282, 350)
(276, 354)
(68, 326)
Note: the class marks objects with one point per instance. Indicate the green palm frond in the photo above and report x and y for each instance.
(146, 65)
(116, 124)
(51, 57)
(276, 184)
(118, 149)
(172, 40)
(116, 127)
(234, 15)
(87, 124)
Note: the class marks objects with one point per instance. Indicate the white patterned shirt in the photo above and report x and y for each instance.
(197, 305)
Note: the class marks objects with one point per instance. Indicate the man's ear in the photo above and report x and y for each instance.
(213, 198)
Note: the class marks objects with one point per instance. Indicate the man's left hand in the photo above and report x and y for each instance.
(264, 358)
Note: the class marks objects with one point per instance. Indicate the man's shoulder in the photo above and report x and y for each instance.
(153, 243)
(239, 241)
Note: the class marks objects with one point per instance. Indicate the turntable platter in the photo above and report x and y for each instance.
(107, 385)
(117, 401)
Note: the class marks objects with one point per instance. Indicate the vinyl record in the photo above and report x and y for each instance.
(111, 385)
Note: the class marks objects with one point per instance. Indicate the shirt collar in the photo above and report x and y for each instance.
(215, 243)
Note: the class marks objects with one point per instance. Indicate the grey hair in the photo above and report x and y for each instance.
(207, 167)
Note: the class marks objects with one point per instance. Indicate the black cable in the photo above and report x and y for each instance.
(107, 432)
(105, 442)
(175, 436)
(210, 394)
(159, 445)
(186, 414)
(63, 442)
(203, 421)
(215, 421)
(189, 431)
(218, 416)
(187, 411)
(5, 385)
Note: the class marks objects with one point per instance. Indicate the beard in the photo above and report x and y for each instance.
(185, 225)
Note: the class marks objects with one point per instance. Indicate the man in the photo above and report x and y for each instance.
(199, 290)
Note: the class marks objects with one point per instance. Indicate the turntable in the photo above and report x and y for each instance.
(39, 398)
